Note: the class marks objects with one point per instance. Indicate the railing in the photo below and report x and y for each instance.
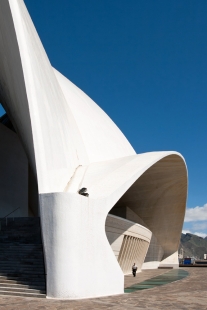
(5, 217)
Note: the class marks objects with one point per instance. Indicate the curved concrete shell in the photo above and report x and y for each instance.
(71, 143)
(158, 197)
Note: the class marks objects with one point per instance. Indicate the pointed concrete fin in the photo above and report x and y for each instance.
(35, 102)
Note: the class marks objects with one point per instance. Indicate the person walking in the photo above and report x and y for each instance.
(134, 270)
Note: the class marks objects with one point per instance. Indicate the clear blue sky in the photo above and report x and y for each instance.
(145, 63)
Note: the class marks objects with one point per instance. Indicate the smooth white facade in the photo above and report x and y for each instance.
(71, 143)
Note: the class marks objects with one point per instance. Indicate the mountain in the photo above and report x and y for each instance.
(193, 246)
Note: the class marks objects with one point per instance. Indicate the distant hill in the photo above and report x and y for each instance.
(193, 246)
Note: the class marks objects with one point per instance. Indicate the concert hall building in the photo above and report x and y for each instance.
(76, 201)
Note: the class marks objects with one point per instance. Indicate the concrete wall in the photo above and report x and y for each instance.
(129, 241)
(154, 254)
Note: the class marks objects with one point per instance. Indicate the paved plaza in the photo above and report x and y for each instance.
(188, 293)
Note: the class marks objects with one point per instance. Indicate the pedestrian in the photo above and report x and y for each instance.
(134, 270)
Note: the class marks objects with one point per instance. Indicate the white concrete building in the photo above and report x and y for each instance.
(62, 142)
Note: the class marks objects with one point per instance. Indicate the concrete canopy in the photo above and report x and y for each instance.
(71, 143)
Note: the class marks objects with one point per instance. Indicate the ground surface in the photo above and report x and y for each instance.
(188, 293)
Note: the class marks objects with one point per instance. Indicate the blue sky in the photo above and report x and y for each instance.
(144, 62)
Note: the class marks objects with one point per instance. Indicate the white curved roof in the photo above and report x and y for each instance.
(60, 127)
(102, 139)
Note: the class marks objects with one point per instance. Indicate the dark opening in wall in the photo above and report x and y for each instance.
(2, 111)
(17, 175)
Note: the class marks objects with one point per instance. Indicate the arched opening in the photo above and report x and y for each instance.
(157, 201)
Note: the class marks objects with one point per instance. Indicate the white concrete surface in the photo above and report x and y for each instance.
(79, 259)
(56, 139)
(101, 138)
(106, 183)
(170, 261)
(34, 101)
(71, 143)
(155, 253)
(151, 265)
(158, 196)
